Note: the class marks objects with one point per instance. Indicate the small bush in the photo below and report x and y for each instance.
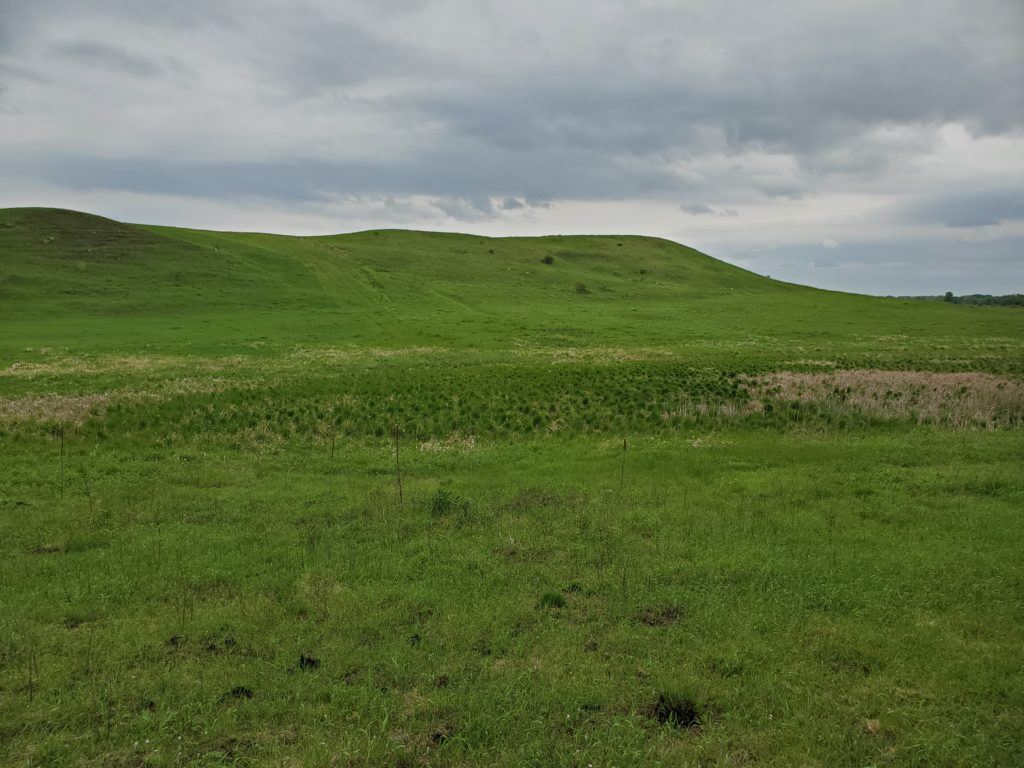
(549, 259)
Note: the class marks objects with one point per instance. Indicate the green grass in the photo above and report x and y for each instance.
(204, 559)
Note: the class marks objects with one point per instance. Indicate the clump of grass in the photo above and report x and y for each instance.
(549, 259)
(675, 708)
(238, 692)
(446, 501)
(582, 288)
(660, 615)
(551, 600)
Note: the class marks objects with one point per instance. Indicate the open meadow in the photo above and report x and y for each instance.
(402, 498)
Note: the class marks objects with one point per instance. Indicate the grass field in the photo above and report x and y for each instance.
(404, 498)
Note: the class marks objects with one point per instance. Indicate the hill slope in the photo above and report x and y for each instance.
(82, 282)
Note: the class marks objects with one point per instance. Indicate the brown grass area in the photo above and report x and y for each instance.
(58, 409)
(453, 442)
(305, 355)
(953, 399)
(596, 354)
(68, 365)
(53, 408)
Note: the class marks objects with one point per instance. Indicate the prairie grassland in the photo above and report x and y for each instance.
(689, 517)
(819, 598)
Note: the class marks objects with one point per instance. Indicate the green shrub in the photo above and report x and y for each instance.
(446, 502)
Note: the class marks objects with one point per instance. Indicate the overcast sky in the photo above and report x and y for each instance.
(866, 146)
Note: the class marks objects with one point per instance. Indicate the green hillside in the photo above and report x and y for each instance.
(82, 283)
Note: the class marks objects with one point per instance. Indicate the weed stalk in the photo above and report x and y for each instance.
(396, 433)
(330, 468)
(622, 466)
(88, 490)
(62, 460)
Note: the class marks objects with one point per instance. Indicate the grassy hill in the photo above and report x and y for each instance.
(415, 499)
(81, 282)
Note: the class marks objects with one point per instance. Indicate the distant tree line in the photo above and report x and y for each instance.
(976, 299)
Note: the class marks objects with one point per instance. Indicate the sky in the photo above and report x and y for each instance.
(875, 147)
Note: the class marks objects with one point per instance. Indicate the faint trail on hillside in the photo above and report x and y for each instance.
(330, 275)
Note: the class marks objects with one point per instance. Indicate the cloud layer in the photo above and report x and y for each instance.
(869, 146)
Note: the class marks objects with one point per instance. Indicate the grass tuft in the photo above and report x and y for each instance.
(551, 600)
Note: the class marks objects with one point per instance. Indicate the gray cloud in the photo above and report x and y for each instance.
(697, 209)
(971, 208)
(88, 53)
(700, 209)
(930, 266)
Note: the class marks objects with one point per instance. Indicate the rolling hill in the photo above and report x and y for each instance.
(82, 282)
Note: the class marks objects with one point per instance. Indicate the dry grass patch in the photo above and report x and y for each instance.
(953, 399)
(598, 354)
(57, 409)
(53, 408)
(305, 355)
(101, 364)
(451, 443)
(698, 409)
